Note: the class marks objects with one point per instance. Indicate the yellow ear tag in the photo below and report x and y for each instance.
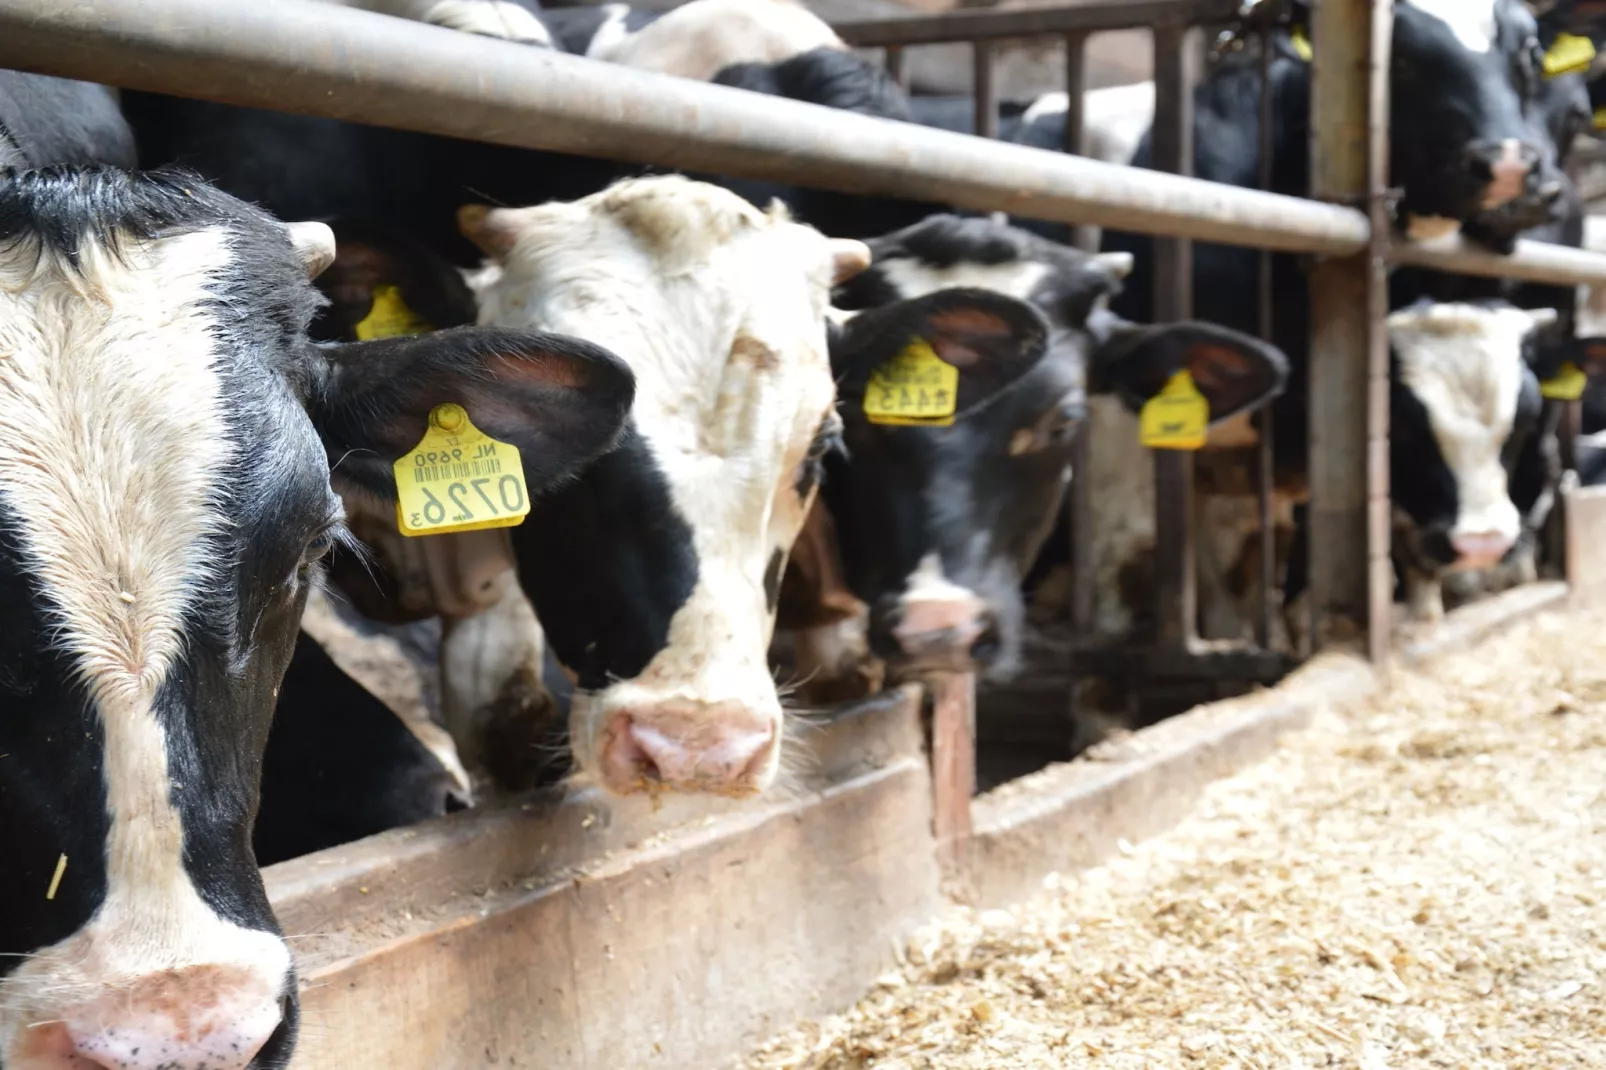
(390, 317)
(916, 388)
(1301, 42)
(1568, 385)
(1570, 54)
(1600, 119)
(1177, 418)
(458, 478)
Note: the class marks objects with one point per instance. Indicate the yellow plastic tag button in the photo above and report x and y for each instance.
(1599, 122)
(458, 478)
(390, 317)
(1568, 384)
(1570, 54)
(1177, 418)
(916, 388)
(1301, 42)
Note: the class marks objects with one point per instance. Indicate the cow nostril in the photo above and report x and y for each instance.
(986, 648)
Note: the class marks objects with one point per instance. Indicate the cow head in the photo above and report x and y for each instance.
(939, 524)
(656, 573)
(164, 500)
(1467, 133)
(1465, 398)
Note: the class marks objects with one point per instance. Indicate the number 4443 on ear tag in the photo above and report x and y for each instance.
(458, 478)
(1177, 418)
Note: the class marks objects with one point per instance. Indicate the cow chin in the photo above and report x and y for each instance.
(635, 740)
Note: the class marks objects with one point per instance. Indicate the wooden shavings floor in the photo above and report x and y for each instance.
(1419, 882)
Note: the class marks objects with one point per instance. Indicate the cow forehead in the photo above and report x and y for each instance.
(1471, 21)
(112, 408)
(916, 278)
(1464, 363)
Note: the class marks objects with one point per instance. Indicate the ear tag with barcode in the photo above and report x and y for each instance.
(1569, 54)
(1177, 418)
(916, 388)
(389, 317)
(458, 478)
(1567, 384)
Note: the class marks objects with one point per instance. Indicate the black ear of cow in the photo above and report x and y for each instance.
(1235, 373)
(372, 254)
(560, 400)
(990, 338)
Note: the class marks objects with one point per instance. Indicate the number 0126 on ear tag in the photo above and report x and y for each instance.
(916, 388)
(1177, 418)
(458, 478)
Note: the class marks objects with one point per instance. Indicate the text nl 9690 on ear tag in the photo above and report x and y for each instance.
(1567, 384)
(458, 478)
(1177, 418)
(916, 388)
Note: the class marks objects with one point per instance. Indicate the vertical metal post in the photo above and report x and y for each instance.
(1351, 579)
(1266, 462)
(1177, 60)
(893, 59)
(981, 59)
(1083, 237)
(953, 762)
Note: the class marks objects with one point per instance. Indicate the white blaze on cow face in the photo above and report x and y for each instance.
(704, 37)
(915, 278)
(720, 311)
(1464, 363)
(1472, 21)
(108, 466)
(490, 18)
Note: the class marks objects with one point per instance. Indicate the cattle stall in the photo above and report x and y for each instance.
(568, 931)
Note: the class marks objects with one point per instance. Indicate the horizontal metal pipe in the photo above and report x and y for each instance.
(1028, 22)
(321, 59)
(1533, 261)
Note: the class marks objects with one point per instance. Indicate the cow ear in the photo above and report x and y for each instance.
(1234, 372)
(992, 340)
(383, 283)
(560, 400)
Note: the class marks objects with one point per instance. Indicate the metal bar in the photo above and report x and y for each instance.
(897, 68)
(1177, 52)
(1379, 509)
(1265, 460)
(1348, 93)
(953, 762)
(981, 65)
(319, 59)
(1533, 261)
(1075, 141)
(1031, 22)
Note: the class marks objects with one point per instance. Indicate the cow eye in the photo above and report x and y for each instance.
(319, 546)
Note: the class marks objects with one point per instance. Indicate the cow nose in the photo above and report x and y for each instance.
(1480, 549)
(722, 748)
(1504, 166)
(192, 1018)
(958, 627)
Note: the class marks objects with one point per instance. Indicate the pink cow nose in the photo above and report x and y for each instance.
(194, 1018)
(955, 629)
(1480, 549)
(1508, 163)
(722, 748)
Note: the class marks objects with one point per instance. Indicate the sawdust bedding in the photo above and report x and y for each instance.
(1417, 882)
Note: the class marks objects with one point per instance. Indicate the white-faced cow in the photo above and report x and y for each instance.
(164, 499)
(655, 573)
(937, 526)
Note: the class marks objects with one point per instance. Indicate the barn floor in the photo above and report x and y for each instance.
(1417, 882)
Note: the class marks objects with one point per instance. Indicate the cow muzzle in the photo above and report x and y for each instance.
(722, 748)
(957, 632)
(205, 1017)
(1506, 169)
(1480, 549)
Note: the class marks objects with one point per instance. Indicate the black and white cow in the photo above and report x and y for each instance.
(937, 526)
(522, 21)
(655, 573)
(164, 502)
